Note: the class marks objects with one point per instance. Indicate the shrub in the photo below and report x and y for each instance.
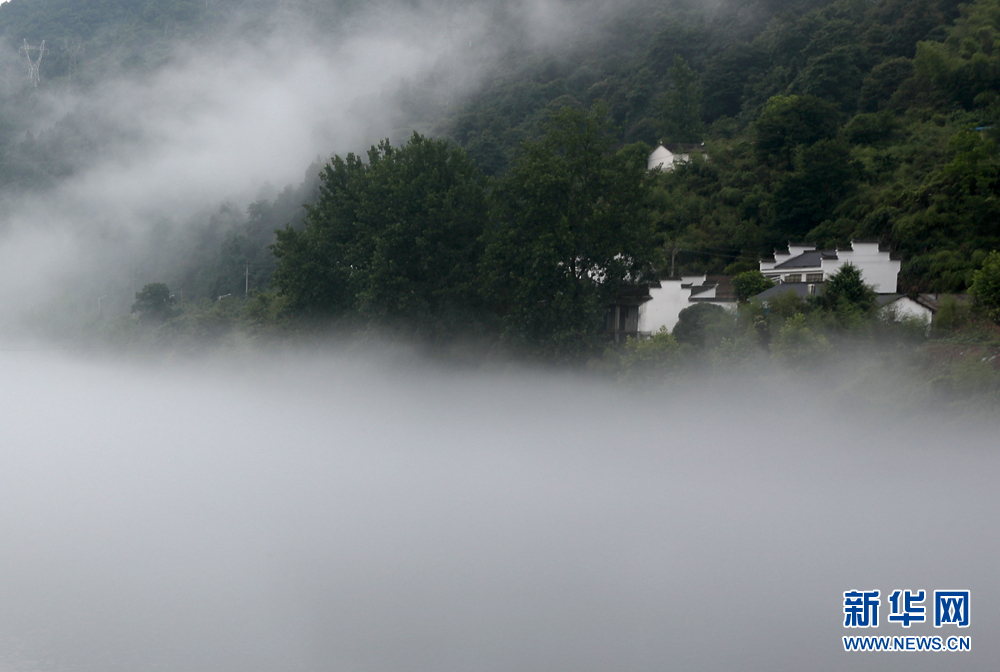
(985, 288)
(797, 344)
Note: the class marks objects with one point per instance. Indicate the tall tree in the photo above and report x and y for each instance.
(847, 291)
(569, 227)
(393, 242)
(787, 122)
(154, 303)
(681, 108)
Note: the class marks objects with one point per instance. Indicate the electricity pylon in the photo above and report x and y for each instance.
(72, 51)
(33, 64)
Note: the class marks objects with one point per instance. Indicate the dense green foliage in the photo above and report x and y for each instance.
(681, 106)
(568, 228)
(413, 240)
(393, 242)
(856, 119)
(630, 62)
(823, 120)
(986, 286)
(846, 290)
(750, 283)
(153, 302)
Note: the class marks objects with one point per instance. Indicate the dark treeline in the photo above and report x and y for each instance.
(416, 241)
(853, 120)
(823, 121)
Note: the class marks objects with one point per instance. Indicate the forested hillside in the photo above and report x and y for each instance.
(857, 119)
(821, 120)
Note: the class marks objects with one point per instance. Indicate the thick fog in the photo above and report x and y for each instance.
(349, 513)
(232, 116)
(229, 117)
(220, 120)
(313, 511)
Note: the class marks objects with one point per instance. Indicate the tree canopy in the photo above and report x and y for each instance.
(569, 226)
(986, 286)
(391, 242)
(823, 121)
(154, 302)
(681, 106)
(749, 284)
(846, 292)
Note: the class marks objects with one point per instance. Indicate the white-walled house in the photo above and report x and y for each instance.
(922, 306)
(902, 307)
(666, 301)
(642, 311)
(665, 159)
(805, 264)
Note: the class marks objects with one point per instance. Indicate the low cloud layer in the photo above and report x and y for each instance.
(224, 118)
(227, 115)
(346, 513)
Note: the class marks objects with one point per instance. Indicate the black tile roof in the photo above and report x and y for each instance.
(809, 259)
(800, 288)
(883, 299)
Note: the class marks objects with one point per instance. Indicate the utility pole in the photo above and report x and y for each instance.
(33, 64)
(246, 281)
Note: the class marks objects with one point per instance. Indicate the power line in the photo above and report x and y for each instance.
(716, 254)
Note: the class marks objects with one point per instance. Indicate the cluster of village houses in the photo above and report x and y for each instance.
(803, 269)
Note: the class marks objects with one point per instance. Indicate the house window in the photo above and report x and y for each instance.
(622, 317)
(794, 277)
(814, 277)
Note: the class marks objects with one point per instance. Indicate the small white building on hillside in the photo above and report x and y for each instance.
(921, 306)
(902, 307)
(805, 264)
(666, 159)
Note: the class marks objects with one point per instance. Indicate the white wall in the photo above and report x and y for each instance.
(661, 158)
(795, 249)
(905, 307)
(668, 300)
(877, 269)
(779, 258)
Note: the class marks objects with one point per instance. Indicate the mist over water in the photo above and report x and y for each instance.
(356, 513)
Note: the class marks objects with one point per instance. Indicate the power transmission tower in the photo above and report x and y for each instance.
(33, 64)
(73, 50)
